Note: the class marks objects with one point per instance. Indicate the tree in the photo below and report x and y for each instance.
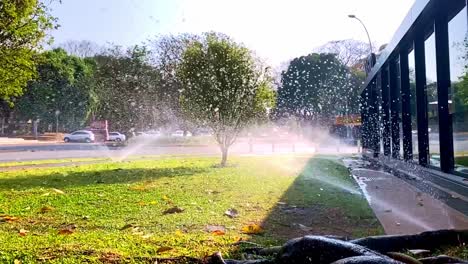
(23, 27)
(127, 89)
(223, 87)
(166, 56)
(64, 87)
(81, 48)
(314, 88)
(349, 51)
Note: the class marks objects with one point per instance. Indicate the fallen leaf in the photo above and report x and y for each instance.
(8, 219)
(138, 188)
(66, 231)
(179, 233)
(127, 226)
(141, 203)
(16, 261)
(232, 213)
(215, 229)
(165, 198)
(173, 210)
(252, 229)
(58, 191)
(218, 233)
(153, 202)
(163, 249)
(45, 194)
(47, 208)
(23, 232)
(147, 236)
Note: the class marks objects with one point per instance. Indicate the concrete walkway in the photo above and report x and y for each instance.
(404, 209)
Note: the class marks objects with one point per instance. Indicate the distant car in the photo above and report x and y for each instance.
(180, 133)
(80, 136)
(116, 136)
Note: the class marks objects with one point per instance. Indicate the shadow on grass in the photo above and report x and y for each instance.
(65, 179)
(323, 200)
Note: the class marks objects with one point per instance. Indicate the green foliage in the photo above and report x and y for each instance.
(223, 87)
(127, 89)
(316, 87)
(65, 84)
(23, 26)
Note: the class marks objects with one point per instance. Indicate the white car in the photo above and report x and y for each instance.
(80, 136)
(116, 136)
(180, 133)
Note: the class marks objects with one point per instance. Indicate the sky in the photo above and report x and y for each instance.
(276, 30)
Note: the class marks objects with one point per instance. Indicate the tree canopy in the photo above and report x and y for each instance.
(223, 87)
(23, 27)
(64, 86)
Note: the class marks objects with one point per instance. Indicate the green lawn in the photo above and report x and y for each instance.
(115, 211)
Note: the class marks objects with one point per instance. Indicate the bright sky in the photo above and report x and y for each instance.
(277, 30)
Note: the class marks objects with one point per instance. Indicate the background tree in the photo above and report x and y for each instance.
(64, 84)
(166, 55)
(127, 89)
(23, 27)
(349, 51)
(313, 88)
(81, 48)
(223, 87)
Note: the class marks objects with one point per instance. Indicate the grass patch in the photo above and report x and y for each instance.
(49, 161)
(96, 213)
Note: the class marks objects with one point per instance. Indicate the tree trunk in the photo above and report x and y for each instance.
(224, 153)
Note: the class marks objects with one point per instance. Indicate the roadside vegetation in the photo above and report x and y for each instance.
(171, 207)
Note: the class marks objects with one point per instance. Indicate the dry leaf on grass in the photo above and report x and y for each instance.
(217, 230)
(66, 231)
(252, 229)
(173, 210)
(17, 261)
(47, 208)
(127, 226)
(218, 233)
(232, 213)
(23, 232)
(58, 191)
(163, 249)
(8, 219)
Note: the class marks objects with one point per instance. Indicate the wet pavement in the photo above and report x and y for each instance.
(401, 207)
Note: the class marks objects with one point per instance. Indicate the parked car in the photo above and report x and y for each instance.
(180, 133)
(80, 136)
(116, 136)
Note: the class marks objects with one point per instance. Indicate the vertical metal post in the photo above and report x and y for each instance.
(443, 87)
(394, 109)
(364, 119)
(406, 106)
(385, 112)
(374, 118)
(421, 99)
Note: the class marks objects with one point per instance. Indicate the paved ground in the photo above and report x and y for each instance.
(404, 209)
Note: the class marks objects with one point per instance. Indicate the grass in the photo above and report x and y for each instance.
(49, 161)
(113, 211)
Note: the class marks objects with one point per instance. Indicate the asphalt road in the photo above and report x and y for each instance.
(85, 150)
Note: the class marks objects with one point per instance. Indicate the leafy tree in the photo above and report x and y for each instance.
(166, 55)
(223, 87)
(64, 86)
(23, 27)
(127, 89)
(81, 48)
(314, 88)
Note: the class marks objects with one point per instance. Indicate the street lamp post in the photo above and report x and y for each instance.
(367, 32)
